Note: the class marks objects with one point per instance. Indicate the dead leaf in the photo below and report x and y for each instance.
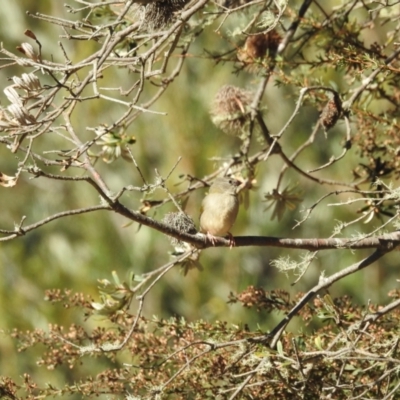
(7, 181)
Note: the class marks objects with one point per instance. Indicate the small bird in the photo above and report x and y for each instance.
(219, 209)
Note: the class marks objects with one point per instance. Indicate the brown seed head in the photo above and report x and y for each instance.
(257, 48)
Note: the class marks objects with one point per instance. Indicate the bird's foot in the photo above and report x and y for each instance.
(231, 240)
(212, 238)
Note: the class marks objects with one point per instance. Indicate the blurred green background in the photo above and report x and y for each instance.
(77, 251)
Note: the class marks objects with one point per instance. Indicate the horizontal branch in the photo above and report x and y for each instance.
(385, 242)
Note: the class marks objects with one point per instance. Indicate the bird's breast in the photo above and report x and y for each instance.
(219, 213)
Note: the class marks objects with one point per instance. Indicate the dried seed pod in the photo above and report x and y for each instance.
(158, 14)
(13, 96)
(20, 114)
(27, 49)
(30, 34)
(231, 110)
(29, 82)
(331, 112)
(259, 46)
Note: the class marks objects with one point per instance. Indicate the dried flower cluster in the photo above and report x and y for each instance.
(230, 110)
(342, 356)
(159, 14)
(17, 113)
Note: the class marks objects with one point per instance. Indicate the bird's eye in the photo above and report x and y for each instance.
(233, 182)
